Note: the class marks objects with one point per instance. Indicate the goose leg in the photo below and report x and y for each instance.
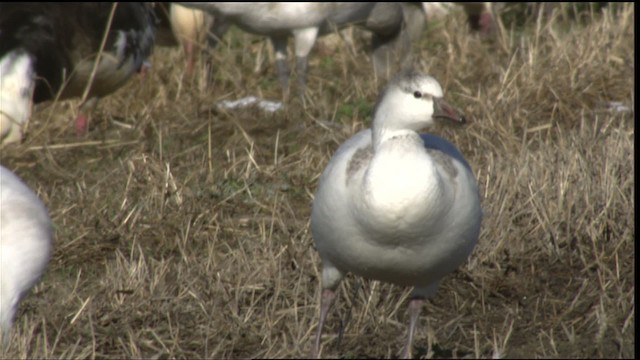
(384, 53)
(208, 67)
(82, 124)
(280, 48)
(393, 27)
(480, 17)
(217, 30)
(304, 41)
(414, 21)
(84, 114)
(415, 307)
(145, 68)
(328, 297)
(189, 54)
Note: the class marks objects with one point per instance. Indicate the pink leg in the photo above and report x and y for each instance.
(84, 114)
(144, 69)
(82, 124)
(328, 296)
(415, 307)
(188, 52)
(486, 23)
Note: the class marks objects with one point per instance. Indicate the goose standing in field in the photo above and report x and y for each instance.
(394, 205)
(51, 48)
(25, 245)
(392, 24)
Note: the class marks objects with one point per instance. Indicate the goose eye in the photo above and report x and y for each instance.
(417, 94)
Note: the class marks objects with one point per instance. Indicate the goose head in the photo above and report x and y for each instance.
(410, 102)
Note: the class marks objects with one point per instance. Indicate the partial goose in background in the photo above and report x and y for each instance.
(392, 24)
(394, 205)
(52, 47)
(479, 14)
(25, 245)
(189, 28)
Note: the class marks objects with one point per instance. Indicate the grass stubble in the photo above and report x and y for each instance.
(182, 230)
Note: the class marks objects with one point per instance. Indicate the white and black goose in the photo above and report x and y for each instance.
(25, 245)
(395, 205)
(50, 48)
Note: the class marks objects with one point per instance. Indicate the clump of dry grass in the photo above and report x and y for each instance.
(182, 229)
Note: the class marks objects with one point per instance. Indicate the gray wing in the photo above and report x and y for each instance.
(437, 143)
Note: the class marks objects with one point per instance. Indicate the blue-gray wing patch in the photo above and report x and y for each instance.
(435, 143)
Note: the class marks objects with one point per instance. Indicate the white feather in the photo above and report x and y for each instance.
(16, 90)
(25, 244)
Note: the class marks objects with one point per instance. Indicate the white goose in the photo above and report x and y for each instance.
(25, 245)
(47, 48)
(394, 205)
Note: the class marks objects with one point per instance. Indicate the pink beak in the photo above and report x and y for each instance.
(446, 113)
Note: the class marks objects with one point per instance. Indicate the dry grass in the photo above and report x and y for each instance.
(182, 229)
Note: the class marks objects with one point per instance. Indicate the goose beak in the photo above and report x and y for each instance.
(446, 114)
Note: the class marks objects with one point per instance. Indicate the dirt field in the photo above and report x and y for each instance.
(182, 229)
